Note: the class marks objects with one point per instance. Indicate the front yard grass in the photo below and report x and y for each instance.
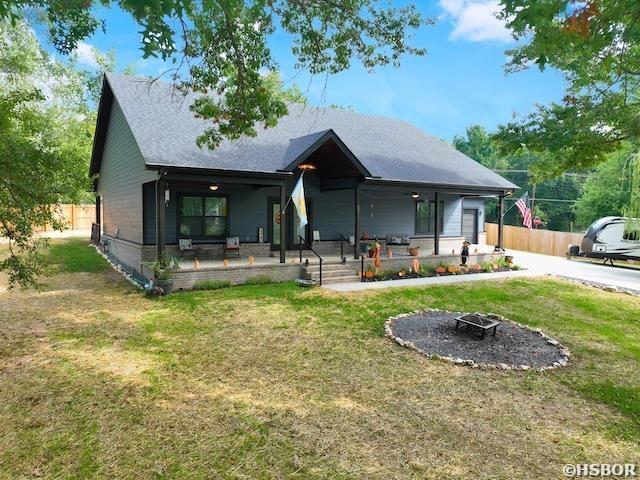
(275, 381)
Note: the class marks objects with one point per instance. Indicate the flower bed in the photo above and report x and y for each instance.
(415, 270)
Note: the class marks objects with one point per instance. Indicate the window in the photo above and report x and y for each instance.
(203, 216)
(631, 235)
(426, 217)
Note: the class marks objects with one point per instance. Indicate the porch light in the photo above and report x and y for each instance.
(415, 194)
(306, 167)
(213, 188)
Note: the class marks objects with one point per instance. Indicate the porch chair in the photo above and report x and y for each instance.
(187, 248)
(232, 245)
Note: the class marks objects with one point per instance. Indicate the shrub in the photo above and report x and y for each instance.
(259, 280)
(211, 284)
(487, 266)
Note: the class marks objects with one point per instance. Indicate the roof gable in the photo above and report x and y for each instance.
(312, 143)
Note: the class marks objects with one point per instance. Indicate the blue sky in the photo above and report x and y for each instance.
(460, 82)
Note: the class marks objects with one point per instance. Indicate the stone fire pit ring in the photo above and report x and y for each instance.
(432, 332)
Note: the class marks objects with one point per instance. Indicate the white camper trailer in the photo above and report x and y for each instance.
(612, 238)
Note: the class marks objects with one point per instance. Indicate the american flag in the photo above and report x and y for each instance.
(523, 205)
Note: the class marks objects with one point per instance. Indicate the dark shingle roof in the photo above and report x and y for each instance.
(166, 131)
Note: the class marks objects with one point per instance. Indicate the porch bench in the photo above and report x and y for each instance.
(188, 251)
(232, 245)
(398, 239)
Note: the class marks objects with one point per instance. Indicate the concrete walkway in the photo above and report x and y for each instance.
(535, 265)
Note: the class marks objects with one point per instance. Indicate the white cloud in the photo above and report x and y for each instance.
(475, 20)
(85, 55)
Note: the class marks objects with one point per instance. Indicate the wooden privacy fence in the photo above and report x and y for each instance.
(74, 216)
(547, 242)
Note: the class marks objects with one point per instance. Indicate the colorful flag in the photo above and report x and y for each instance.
(524, 206)
(297, 196)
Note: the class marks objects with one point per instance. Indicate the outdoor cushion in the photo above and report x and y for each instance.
(185, 244)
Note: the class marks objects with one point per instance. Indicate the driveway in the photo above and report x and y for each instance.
(621, 277)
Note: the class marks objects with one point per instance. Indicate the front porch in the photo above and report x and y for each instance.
(240, 270)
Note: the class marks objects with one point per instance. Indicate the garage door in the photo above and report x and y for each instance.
(470, 225)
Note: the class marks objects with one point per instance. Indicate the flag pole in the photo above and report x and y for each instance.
(290, 197)
(525, 193)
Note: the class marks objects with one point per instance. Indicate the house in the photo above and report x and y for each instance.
(367, 177)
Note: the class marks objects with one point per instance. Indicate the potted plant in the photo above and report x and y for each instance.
(163, 270)
(369, 272)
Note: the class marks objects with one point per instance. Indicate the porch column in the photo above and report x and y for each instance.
(356, 215)
(436, 236)
(283, 231)
(501, 221)
(160, 215)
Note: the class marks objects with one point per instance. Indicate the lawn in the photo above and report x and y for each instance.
(274, 381)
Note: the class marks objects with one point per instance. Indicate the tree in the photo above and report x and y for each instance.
(596, 44)
(221, 46)
(478, 144)
(46, 142)
(555, 210)
(606, 191)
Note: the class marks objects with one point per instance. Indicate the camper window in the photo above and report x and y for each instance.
(631, 235)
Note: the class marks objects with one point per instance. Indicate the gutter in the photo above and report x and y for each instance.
(440, 186)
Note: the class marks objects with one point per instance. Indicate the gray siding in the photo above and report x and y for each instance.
(122, 173)
(247, 211)
(382, 211)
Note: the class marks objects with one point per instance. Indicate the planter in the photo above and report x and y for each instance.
(369, 274)
(414, 251)
(166, 284)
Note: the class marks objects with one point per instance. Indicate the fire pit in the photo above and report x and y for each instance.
(436, 333)
(477, 324)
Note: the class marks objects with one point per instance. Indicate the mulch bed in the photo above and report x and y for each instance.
(515, 346)
(404, 276)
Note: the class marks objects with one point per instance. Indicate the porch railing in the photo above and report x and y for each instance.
(301, 239)
(342, 240)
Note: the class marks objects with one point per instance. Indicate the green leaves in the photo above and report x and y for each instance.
(45, 147)
(596, 44)
(221, 47)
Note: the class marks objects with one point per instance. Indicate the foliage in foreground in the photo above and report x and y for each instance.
(46, 140)
(596, 44)
(223, 47)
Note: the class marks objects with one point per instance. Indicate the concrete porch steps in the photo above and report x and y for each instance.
(331, 273)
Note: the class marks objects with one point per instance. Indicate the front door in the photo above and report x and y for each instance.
(293, 227)
(470, 225)
(274, 224)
